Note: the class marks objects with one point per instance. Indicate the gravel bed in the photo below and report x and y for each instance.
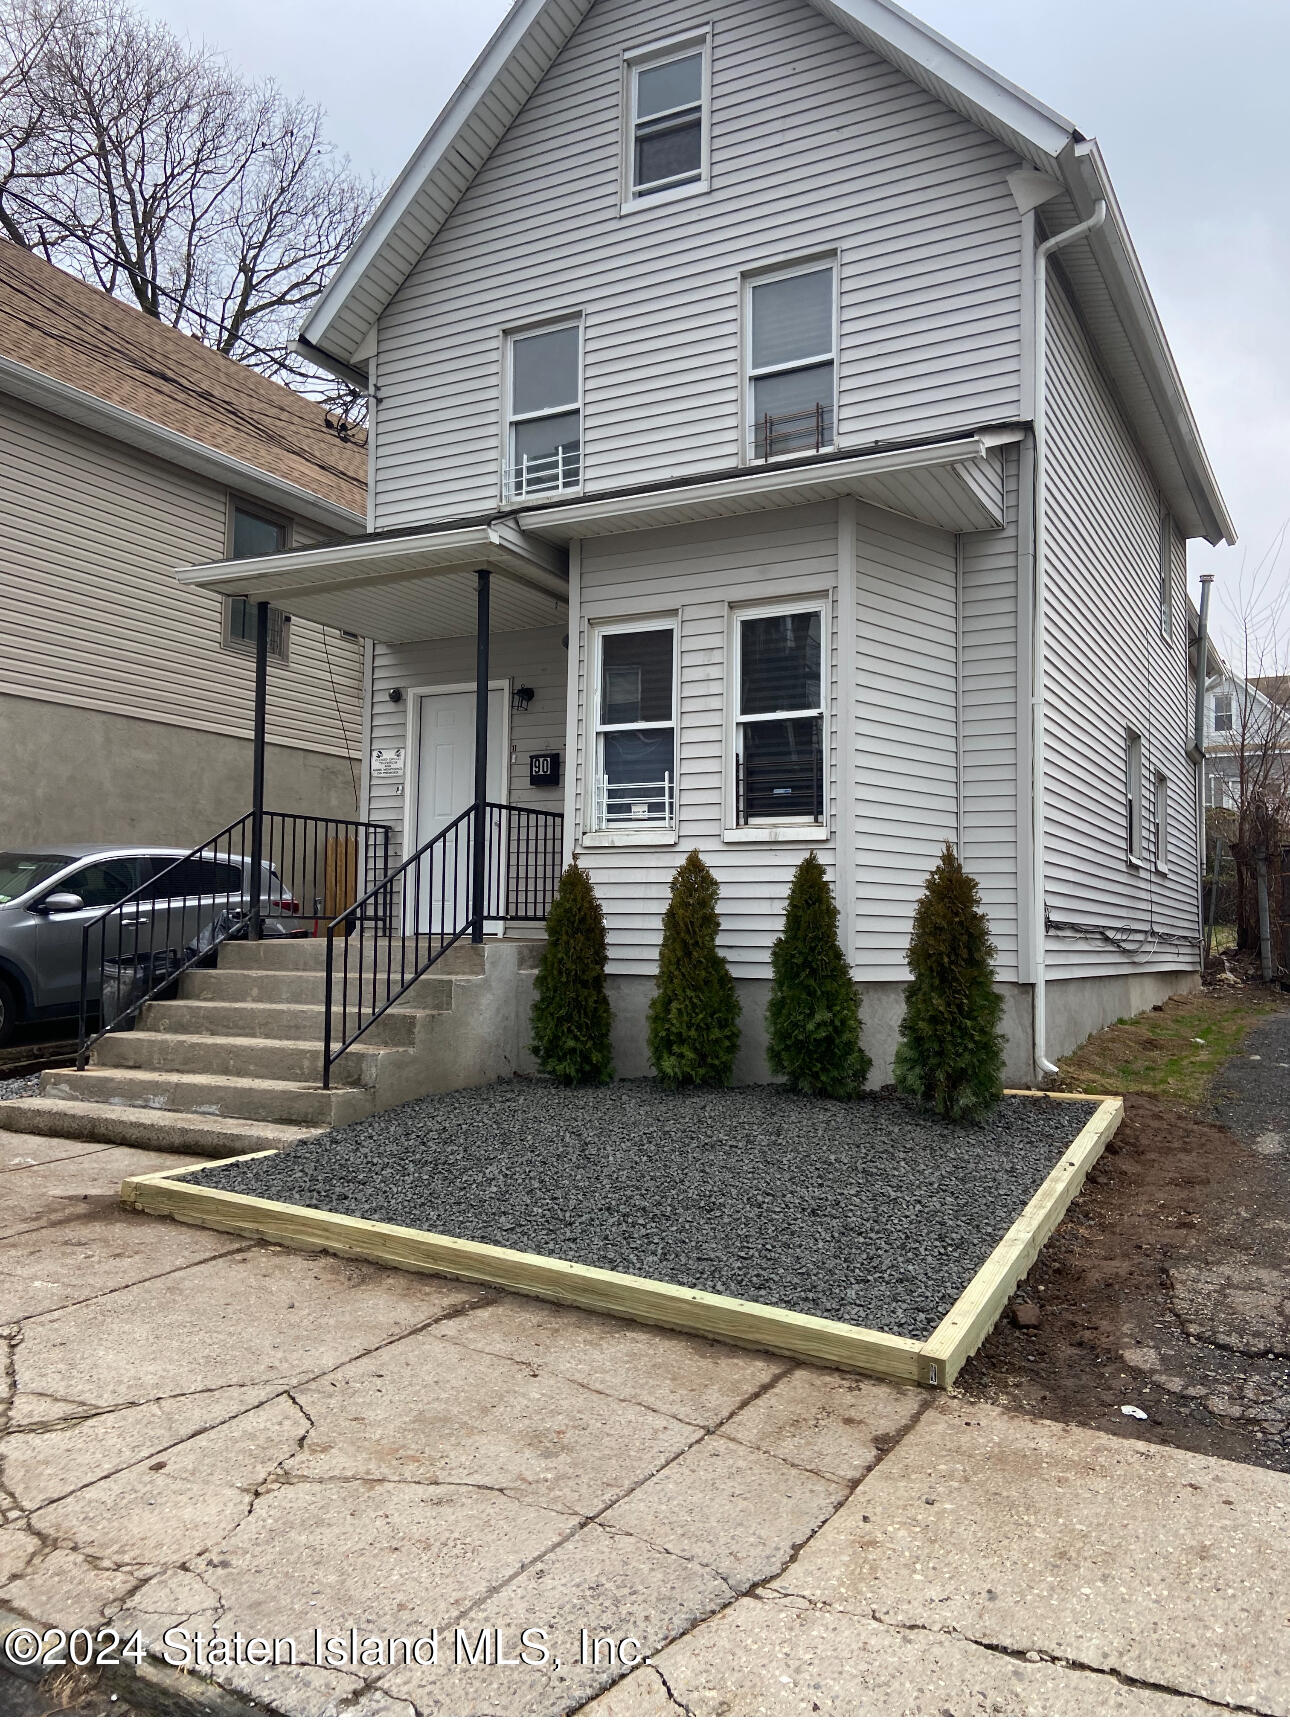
(12, 1089)
(870, 1212)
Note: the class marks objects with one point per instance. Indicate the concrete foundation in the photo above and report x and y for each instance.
(1076, 1008)
(71, 775)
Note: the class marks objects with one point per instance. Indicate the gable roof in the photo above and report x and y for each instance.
(57, 326)
(1111, 294)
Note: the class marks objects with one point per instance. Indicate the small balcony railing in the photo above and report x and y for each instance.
(650, 803)
(801, 432)
(540, 476)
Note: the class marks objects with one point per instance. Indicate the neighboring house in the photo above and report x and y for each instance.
(795, 379)
(1247, 739)
(126, 702)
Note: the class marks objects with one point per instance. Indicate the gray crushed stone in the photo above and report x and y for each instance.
(869, 1212)
(12, 1089)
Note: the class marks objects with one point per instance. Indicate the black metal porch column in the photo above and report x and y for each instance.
(257, 766)
(479, 858)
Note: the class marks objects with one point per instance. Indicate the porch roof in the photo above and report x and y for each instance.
(417, 586)
(956, 485)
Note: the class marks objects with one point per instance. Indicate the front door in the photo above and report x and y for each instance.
(445, 789)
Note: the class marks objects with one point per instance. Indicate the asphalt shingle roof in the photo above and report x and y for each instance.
(77, 334)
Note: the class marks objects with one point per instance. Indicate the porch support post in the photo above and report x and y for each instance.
(257, 765)
(479, 856)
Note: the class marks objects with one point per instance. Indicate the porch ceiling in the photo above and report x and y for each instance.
(411, 587)
(956, 485)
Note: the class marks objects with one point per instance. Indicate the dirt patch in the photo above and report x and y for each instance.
(1164, 1289)
(1176, 1051)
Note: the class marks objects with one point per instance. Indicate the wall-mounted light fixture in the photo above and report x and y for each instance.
(521, 698)
(396, 695)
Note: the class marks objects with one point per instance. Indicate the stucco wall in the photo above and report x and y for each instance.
(70, 775)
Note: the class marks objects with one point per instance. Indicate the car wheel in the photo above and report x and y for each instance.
(8, 1013)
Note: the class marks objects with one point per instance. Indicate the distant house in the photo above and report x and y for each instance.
(128, 448)
(1247, 739)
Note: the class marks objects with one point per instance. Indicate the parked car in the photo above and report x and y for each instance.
(176, 902)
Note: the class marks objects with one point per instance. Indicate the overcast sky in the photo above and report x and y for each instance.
(1188, 101)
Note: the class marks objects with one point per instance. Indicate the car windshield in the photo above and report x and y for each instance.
(22, 870)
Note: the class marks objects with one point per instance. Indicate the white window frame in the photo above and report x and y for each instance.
(1166, 593)
(509, 492)
(641, 59)
(767, 832)
(1229, 707)
(647, 833)
(1161, 830)
(1133, 811)
(755, 279)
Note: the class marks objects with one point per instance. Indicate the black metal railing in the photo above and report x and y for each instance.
(780, 788)
(391, 936)
(310, 869)
(803, 431)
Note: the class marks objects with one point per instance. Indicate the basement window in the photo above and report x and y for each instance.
(666, 133)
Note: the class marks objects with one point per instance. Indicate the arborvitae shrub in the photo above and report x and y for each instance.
(694, 1016)
(813, 1015)
(571, 1017)
(951, 1052)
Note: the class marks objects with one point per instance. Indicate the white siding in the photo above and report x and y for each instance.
(1107, 670)
(906, 765)
(989, 758)
(92, 535)
(817, 144)
(534, 657)
(697, 573)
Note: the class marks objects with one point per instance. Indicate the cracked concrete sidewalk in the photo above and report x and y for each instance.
(203, 1434)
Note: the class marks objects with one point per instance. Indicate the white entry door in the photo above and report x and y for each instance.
(445, 789)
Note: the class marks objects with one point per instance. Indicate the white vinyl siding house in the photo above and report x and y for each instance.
(766, 516)
(915, 200)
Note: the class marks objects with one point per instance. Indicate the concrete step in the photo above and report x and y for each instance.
(245, 1057)
(395, 1029)
(461, 960)
(308, 988)
(218, 1094)
(150, 1129)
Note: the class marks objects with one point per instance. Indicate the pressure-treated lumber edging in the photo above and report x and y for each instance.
(824, 1342)
(975, 1313)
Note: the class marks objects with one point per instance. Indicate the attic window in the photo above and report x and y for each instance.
(666, 144)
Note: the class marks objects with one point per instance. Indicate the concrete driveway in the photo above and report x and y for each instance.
(214, 1442)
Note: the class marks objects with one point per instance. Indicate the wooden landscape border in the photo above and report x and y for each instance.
(823, 1342)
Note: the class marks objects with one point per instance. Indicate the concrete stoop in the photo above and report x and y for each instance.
(234, 1063)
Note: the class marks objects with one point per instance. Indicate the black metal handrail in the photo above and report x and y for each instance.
(134, 950)
(425, 907)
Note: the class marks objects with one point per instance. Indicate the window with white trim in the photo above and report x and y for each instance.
(1162, 822)
(667, 121)
(791, 323)
(635, 727)
(779, 769)
(544, 410)
(1133, 795)
(1166, 575)
(1224, 715)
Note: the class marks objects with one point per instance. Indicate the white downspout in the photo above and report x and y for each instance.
(1038, 920)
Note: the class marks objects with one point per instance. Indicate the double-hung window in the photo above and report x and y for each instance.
(544, 414)
(779, 717)
(254, 535)
(635, 727)
(791, 390)
(1224, 716)
(1133, 796)
(1162, 823)
(667, 121)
